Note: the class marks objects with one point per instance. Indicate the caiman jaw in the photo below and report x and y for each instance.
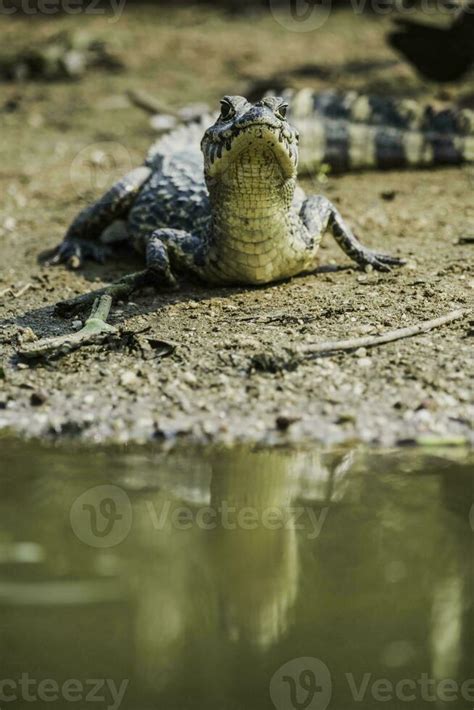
(258, 138)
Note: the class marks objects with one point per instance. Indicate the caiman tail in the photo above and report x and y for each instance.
(351, 132)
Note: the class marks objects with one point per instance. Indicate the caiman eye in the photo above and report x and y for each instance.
(281, 110)
(227, 110)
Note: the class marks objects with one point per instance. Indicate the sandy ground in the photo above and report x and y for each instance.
(231, 376)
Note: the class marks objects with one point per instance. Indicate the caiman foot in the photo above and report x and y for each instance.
(380, 262)
(74, 252)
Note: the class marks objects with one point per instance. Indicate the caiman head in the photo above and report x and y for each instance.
(251, 151)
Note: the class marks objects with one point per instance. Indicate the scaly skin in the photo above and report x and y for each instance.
(240, 221)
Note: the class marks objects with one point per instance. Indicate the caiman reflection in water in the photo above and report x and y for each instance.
(232, 563)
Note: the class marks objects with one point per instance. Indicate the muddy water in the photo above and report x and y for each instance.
(235, 579)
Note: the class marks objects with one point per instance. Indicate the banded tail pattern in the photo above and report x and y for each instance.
(351, 131)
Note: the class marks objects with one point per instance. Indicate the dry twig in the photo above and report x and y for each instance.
(375, 340)
(149, 103)
(94, 331)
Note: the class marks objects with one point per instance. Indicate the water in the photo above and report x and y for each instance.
(235, 579)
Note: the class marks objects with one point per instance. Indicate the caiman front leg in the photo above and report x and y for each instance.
(319, 214)
(166, 250)
(82, 238)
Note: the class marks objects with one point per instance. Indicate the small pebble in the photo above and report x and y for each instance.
(163, 123)
(9, 224)
(189, 378)
(38, 398)
(365, 329)
(128, 378)
(284, 421)
(26, 335)
(346, 418)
